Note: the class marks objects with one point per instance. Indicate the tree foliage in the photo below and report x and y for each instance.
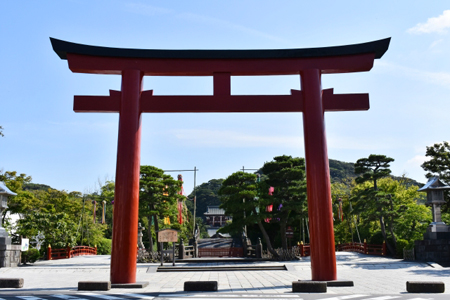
(372, 169)
(439, 162)
(287, 176)
(207, 194)
(59, 215)
(159, 194)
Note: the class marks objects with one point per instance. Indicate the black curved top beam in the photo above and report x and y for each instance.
(377, 47)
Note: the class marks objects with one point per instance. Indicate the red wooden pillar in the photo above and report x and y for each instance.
(323, 257)
(126, 200)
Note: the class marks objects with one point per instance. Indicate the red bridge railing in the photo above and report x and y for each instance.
(364, 248)
(69, 252)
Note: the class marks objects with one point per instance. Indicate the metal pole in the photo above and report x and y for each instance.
(162, 253)
(82, 221)
(195, 198)
(173, 254)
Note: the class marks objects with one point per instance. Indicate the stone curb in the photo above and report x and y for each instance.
(11, 283)
(94, 285)
(200, 286)
(425, 287)
(335, 283)
(309, 286)
(136, 285)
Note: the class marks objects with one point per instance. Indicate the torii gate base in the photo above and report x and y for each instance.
(131, 101)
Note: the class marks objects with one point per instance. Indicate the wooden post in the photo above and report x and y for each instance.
(126, 199)
(68, 251)
(49, 252)
(181, 250)
(384, 249)
(302, 250)
(320, 211)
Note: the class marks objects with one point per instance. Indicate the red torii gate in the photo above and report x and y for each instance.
(131, 101)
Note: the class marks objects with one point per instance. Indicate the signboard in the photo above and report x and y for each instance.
(289, 232)
(25, 244)
(167, 235)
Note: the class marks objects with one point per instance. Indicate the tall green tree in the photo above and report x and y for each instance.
(439, 161)
(239, 196)
(287, 176)
(1, 131)
(404, 218)
(372, 169)
(158, 197)
(439, 165)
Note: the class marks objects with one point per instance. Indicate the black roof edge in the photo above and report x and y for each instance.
(378, 47)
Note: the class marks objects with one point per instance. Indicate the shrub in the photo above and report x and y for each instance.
(104, 247)
(31, 255)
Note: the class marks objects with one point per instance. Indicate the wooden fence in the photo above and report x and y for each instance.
(220, 252)
(69, 252)
(305, 250)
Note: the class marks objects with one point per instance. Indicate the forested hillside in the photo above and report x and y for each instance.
(207, 193)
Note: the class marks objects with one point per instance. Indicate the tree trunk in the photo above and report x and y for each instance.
(283, 224)
(158, 246)
(383, 232)
(391, 225)
(266, 237)
(150, 235)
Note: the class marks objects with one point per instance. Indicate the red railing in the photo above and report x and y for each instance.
(364, 248)
(220, 252)
(69, 252)
(305, 250)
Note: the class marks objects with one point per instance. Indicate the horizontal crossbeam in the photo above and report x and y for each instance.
(222, 103)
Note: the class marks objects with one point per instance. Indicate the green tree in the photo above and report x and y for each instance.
(439, 162)
(239, 196)
(207, 194)
(158, 197)
(287, 176)
(405, 219)
(439, 165)
(59, 228)
(344, 228)
(1, 131)
(372, 169)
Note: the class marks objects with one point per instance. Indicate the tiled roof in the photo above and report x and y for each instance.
(215, 210)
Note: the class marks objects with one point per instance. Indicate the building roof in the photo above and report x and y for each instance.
(215, 210)
(434, 183)
(4, 190)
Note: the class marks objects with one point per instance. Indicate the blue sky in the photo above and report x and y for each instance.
(44, 138)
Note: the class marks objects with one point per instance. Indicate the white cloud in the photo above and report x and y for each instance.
(439, 78)
(436, 24)
(436, 43)
(417, 160)
(235, 139)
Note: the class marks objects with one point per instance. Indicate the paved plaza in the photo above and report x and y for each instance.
(372, 275)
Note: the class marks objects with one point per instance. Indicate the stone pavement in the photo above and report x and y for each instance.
(371, 275)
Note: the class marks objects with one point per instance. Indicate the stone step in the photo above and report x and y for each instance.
(220, 268)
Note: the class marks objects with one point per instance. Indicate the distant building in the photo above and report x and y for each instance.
(215, 216)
